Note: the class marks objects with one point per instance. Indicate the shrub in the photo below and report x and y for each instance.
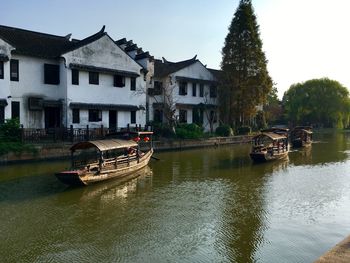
(244, 130)
(10, 131)
(189, 131)
(224, 130)
(162, 130)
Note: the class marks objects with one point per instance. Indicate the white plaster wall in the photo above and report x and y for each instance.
(5, 92)
(105, 53)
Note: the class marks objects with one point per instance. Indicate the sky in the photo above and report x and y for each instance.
(302, 39)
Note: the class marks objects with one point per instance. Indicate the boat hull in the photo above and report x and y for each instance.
(298, 143)
(83, 177)
(260, 157)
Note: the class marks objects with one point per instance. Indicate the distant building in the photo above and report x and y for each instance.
(187, 87)
(52, 81)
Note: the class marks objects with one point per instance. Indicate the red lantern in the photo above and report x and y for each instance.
(146, 139)
(137, 139)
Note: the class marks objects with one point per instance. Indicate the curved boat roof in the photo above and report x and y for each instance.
(271, 135)
(104, 145)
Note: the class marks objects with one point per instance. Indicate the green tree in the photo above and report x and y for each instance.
(273, 110)
(322, 102)
(246, 81)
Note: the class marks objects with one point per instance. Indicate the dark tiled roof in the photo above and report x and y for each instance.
(142, 55)
(103, 70)
(162, 69)
(131, 48)
(121, 41)
(217, 73)
(43, 45)
(3, 57)
(100, 106)
(34, 43)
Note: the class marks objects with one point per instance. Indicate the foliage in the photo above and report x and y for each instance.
(10, 139)
(261, 120)
(321, 102)
(245, 82)
(189, 131)
(224, 130)
(273, 109)
(162, 130)
(10, 131)
(244, 130)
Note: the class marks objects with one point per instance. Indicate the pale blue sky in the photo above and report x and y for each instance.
(303, 39)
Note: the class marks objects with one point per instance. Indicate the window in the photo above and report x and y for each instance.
(201, 90)
(194, 89)
(2, 114)
(76, 116)
(93, 78)
(133, 116)
(15, 113)
(95, 115)
(183, 88)
(75, 77)
(132, 83)
(51, 74)
(213, 117)
(158, 88)
(119, 81)
(213, 91)
(183, 116)
(1, 69)
(158, 116)
(197, 116)
(14, 70)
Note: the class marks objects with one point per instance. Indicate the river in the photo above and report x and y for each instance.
(202, 205)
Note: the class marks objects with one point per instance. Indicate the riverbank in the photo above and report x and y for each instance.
(339, 254)
(57, 151)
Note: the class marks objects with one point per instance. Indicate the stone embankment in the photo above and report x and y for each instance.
(339, 254)
(56, 151)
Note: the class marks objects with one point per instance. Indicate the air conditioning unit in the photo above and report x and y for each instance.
(35, 104)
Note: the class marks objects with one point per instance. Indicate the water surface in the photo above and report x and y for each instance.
(204, 205)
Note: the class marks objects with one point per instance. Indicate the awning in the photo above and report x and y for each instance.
(194, 80)
(3, 57)
(103, 70)
(3, 102)
(104, 145)
(99, 106)
(52, 103)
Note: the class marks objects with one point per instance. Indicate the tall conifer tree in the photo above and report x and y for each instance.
(246, 81)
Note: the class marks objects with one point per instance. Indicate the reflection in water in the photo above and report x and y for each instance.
(205, 205)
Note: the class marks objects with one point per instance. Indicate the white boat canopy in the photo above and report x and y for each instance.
(104, 145)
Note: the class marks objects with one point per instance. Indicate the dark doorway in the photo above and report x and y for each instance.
(112, 119)
(15, 110)
(52, 117)
(2, 114)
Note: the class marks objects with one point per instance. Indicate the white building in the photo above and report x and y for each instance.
(52, 81)
(188, 88)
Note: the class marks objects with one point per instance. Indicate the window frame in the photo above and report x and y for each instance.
(133, 83)
(17, 103)
(133, 117)
(213, 91)
(201, 90)
(95, 115)
(119, 84)
(75, 76)
(14, 64)
(183, 116)
(51, 74)
(94, 78)
(2, 70)
(183, 88)
(194, 89)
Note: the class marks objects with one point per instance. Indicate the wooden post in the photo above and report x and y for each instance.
(71, 132)
(128, 127)
(87, 135)
(22, 133)
(102, 135)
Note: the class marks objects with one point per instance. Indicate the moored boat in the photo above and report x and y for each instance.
(301, 136)
(100, 160)
(270, 144)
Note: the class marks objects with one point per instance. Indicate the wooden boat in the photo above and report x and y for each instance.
(270, 144)
(102, 160)
(301, 136)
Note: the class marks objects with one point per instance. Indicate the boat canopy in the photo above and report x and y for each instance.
(271, 135)
(104, 145)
